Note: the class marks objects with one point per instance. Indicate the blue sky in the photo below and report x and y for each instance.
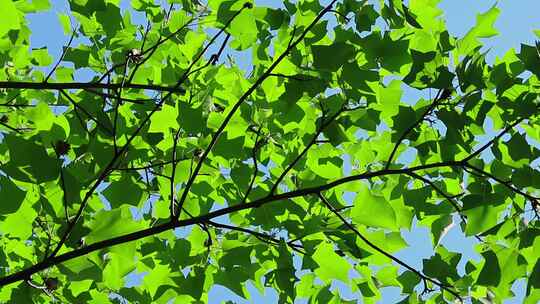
(517, 20)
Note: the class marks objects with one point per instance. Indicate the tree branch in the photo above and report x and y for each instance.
(383, 252)
(236, 106)
(110, 166)
(54, 260)
(85, 86)
(321, 128)
(411, 128)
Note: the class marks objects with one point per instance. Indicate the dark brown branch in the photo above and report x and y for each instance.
(340, 14)
(507, 184)
(236, 106)
(204, 226)
(148, 166)
(117, 104)
(489, 143)
(64, 194)
(64, 51)
(77, 106)
(85, 86)
(47, 232)
(18, 130)
(150, 50)
(383, 252)
(17, 105)
(173, 173)
(261, 236)
(440, 191)
(123, 99)
(449, 198)
(412, 127)
(215, 57)
(255, 165)
(118, 154)
(138, 64)
(54, 260)
(313, 141)
(81, 121)
(294, 77)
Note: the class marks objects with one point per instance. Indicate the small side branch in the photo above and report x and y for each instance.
(413, 126)
(383, 252)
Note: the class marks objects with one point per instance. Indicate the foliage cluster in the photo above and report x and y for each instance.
(301, 172)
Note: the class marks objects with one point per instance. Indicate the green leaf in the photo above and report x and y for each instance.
(331, 265)
(331, 57)
(367, 204)
(164, 120)
(530, 58)
(491, 272)
(41, 57)
(42, 116)
(65, 22)
(534, 278)
(124, 191)
(12, 196)
(365, 18)
(10, 19)
(107, 224)
(483, 29)
(29, 161)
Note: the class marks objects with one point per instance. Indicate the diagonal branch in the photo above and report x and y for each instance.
(489, 143)
(158, 164)
(64, 51)
(123, 99)
(53, 260)
(236, 106)
(261, 236)
(150, 50)
(77, 106)
(313, 141)
(412, 127)
(507, 184)
(255, 165)
(383, 252)
(440, 191)
(18, 130)
(173, 173)
(118, 154)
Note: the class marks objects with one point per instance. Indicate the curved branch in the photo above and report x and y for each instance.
(411, 127)
(110, 166)
(507, 184)
(383, 252)
(54, 260)
(489, 143)
(236, 106)
(306, 149)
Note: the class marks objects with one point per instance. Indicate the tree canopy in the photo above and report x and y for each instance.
(300, 171)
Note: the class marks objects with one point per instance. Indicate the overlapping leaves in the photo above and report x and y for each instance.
(163, 168)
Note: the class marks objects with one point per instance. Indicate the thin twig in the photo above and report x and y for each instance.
(173, 172)
(54, 260)
(383, 252)
(412, 127)
(117, 156)
(64, 51)
(313, 141)
(256, 147)
(77, 106)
